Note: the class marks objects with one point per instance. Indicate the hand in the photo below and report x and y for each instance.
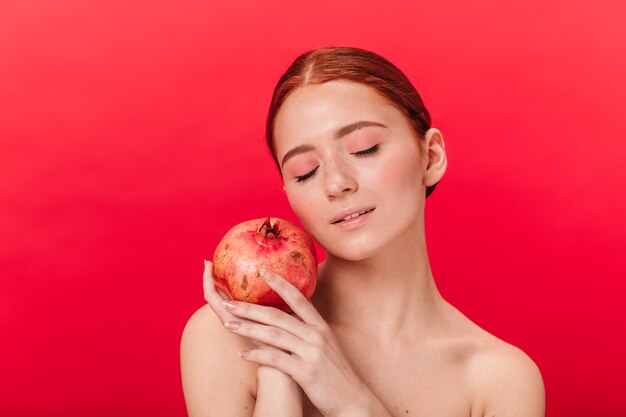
(307, 349)
(277, 392)
(215, 298)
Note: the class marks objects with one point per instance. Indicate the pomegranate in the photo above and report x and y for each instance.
(272, 244)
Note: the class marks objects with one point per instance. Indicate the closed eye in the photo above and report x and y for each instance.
(365, 152)
(300, 178)
(368, 151)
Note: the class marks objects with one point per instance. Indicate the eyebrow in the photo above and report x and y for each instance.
(339, 133)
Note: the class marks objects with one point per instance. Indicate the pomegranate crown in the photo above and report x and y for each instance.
(267, 229)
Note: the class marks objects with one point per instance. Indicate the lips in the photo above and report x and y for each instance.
(349, 213)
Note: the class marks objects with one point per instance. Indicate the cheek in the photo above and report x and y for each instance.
(401, 174)
(302, 206)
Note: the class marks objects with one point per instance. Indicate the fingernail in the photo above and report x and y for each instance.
(205, 262)
(229, 305)
(243, 353)
(232, 325)
(265, 274)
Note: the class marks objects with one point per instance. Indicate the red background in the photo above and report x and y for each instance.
(132, 139)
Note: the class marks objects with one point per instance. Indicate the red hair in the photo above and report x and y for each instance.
(357, 65)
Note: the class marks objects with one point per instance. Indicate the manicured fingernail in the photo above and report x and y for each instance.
(244, 353)
(229, 305)
(232, 325)
(265, 274)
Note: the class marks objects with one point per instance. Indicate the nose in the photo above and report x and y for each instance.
(338, 180)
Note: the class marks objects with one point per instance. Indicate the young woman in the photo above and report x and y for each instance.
(358, 157)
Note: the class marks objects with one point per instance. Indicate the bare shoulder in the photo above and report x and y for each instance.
(216, 381)
(504, 379)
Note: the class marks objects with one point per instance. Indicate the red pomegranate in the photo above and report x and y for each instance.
(273, 244)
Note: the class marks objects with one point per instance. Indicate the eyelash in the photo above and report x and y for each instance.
(371, 150)
(363, 153)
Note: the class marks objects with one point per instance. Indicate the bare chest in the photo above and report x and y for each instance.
(429, 384)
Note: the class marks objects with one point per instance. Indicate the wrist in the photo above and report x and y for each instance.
(268, 372)
(277, 394)
(276, 378)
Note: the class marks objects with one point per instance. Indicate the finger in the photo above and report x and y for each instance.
(294, 298)
(224, 296)
(269, 335)
(269, 347)
(274, 317)
(211, 295)
(275, 358)
(210, 292)
(208, 284)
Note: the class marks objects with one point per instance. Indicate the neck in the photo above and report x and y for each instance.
(387, 298)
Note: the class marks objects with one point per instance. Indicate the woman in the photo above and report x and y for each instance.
(351, 136)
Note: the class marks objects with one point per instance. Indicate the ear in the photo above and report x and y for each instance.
(436, 161)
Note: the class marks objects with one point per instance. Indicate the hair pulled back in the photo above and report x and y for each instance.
(357, 65)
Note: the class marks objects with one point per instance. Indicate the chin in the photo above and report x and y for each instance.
(362, 246)
(352, 250)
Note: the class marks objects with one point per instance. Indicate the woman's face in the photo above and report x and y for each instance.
(332, 166)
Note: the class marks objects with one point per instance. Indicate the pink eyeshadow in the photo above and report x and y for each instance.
(361, 144)
(300, 166)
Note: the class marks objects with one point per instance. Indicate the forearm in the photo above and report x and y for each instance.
(278, 395)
